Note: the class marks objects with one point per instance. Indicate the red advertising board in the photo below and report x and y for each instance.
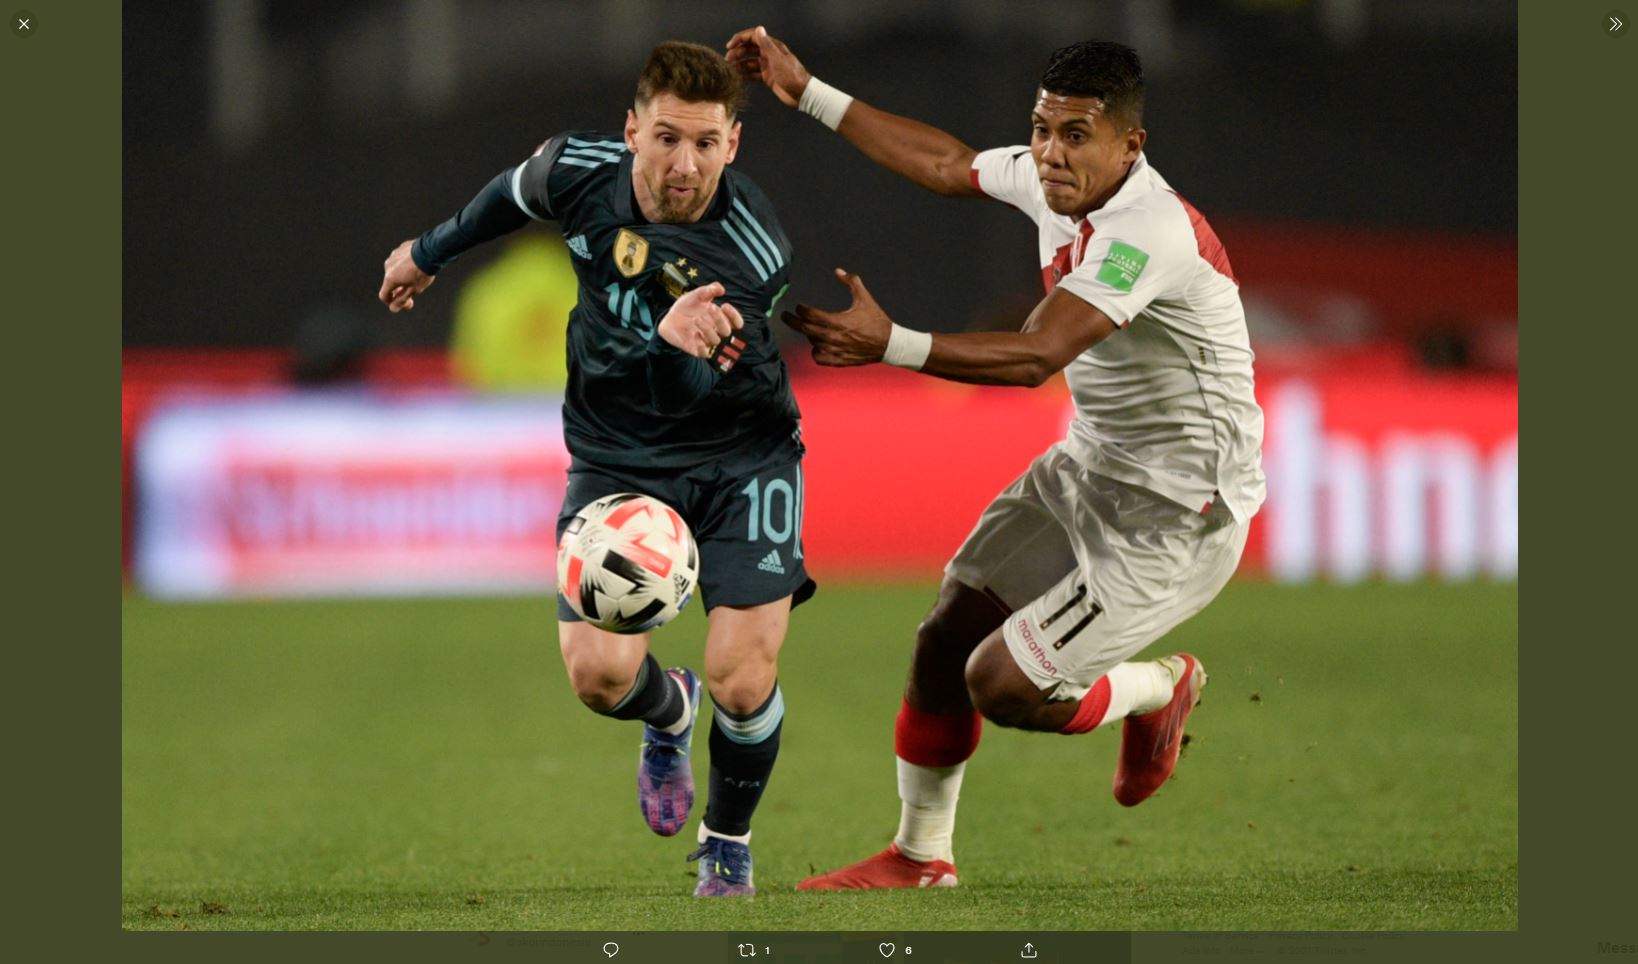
(1395, 474)
(1389, 474)
(294, 495)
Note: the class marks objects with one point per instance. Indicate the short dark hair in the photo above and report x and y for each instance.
(691, 72)
(1103, 69)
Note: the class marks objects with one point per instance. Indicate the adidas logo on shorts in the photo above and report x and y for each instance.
(771, 563)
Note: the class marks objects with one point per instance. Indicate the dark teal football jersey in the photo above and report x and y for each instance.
(630, 272)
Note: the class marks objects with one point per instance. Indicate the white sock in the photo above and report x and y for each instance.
(1138, 688)
(708, 832)
(927, 820)
(687, 717)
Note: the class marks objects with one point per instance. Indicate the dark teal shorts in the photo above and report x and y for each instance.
(748, 526)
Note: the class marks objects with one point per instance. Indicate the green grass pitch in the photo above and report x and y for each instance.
(423, 764)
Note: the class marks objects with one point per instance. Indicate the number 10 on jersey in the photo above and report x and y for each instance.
(624, 303)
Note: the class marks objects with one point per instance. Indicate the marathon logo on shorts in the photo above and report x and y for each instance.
(1121, 266)
(1035, 649)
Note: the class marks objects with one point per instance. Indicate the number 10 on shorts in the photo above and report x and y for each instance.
(775, 512)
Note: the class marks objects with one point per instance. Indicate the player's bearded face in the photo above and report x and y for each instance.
(681, 149)
(1082, 154)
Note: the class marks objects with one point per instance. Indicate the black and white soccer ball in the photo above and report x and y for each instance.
(627, 563)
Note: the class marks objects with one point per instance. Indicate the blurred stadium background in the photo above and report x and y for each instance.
(284, 436)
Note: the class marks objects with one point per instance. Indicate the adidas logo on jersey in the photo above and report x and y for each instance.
(771, 563)
(577, 244)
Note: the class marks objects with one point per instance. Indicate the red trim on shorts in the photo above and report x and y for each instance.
(935, 739)
(1089, 715)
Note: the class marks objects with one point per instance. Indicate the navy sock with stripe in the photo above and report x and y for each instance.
(743, 750)
(654, 697)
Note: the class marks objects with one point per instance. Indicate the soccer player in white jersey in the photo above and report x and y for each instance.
(1122, 530)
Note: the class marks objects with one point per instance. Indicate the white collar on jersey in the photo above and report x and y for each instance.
(1138, 181)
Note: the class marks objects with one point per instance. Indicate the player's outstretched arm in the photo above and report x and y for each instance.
(411, 266)
(1061, 327)
(919, 152)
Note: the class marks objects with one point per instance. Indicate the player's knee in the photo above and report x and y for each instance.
(932, 638)
(943, 640)
(961, 619)
(741, 689)
(990, 693)
(598, 683)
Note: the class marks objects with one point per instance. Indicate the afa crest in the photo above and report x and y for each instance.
(678, 276)
(630, 252)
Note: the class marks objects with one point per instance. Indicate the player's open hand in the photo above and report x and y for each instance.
(758, 55)
(696, 323)
(402, 280)
(857, 336)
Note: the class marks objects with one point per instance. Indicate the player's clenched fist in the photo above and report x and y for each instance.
(759, 56)
(696, 324)
(402, 279)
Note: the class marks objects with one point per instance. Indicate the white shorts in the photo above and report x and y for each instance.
(1092, 569)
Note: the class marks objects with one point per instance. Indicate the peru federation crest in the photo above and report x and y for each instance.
(630, 252)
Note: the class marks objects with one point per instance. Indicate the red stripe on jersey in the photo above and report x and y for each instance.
(1205, 239)
(972, 172)
(1067, 258)
(1082, 241)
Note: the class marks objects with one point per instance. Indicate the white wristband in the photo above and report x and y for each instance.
(823, 102)
(908, 348)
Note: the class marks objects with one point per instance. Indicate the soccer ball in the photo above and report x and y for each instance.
(627, 563)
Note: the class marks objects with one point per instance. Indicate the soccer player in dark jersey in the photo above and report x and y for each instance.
(674, 395)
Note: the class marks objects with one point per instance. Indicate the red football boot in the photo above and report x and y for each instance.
(890, 868)
(1149, 743)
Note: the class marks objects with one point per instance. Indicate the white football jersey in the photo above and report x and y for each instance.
(1166, 401)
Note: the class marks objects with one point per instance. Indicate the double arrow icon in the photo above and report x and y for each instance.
(1615, 24)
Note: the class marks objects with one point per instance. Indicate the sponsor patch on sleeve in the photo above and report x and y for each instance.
(1121, 266)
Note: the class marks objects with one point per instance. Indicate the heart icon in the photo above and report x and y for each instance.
(886, 949)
